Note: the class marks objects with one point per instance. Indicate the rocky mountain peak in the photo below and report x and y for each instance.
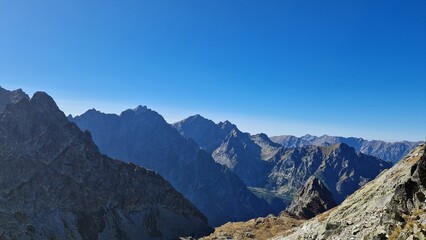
(340, 148)
(148, 140)
(227, 126)
(197, 117)
(140, 109)
(44, 102)
(56, 184)
(263, 136)
(312, 199)
(7, 97)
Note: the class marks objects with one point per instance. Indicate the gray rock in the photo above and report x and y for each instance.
(205, 132)
(339, 167)
(143, 137)
(55, 184)
(7, 97)
(274, 172)
(386, 208)
(312, 199)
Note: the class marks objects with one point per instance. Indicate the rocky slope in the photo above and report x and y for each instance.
(339, 167)
(274, 172)
(143, 137)
(243, 156)
(312, 199)
(54, 184)
(258, 228)
(390, 207)
(385, 150)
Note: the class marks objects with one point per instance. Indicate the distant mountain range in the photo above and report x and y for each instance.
(275, 172)
(389, 151)
(55, 184)
(143, 137)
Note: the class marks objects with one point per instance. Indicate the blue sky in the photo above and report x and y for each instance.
(351, 68)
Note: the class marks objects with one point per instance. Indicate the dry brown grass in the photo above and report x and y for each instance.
(259, 228)
(325, 215)
(395, 233)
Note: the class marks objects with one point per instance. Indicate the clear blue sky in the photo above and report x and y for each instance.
(351, 68)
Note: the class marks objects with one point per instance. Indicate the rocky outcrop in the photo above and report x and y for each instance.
(312, 199)
(204, 132)
(389, 151)
(55, 184)
(7, 97)
(390, 207)
(143, 137)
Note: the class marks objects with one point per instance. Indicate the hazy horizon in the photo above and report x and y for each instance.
(282, 67)
(252, 125)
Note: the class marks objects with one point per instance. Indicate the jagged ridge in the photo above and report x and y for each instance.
(56, 184)
(143, 137)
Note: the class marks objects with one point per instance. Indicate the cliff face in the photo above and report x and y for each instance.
(312, 199)
(390, 207)
(7, 97)
(54, 183)
(339, 167)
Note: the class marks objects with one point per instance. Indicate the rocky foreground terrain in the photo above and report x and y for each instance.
(393, 206)
(258, 228)
(55, 184)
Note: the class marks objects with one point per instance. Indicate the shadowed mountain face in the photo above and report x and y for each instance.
(392, 206)
(242, 155)
(268, 167)
(7, 97)
(54, 184)
(312, 199)
(143, 137)
(245, 155)
(385, 150)
(339, 167)
(206, 133)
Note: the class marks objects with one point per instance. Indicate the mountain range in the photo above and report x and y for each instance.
(143, 137)
(55, 184)
(392, 206)
(275, 172)
(389, 151)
